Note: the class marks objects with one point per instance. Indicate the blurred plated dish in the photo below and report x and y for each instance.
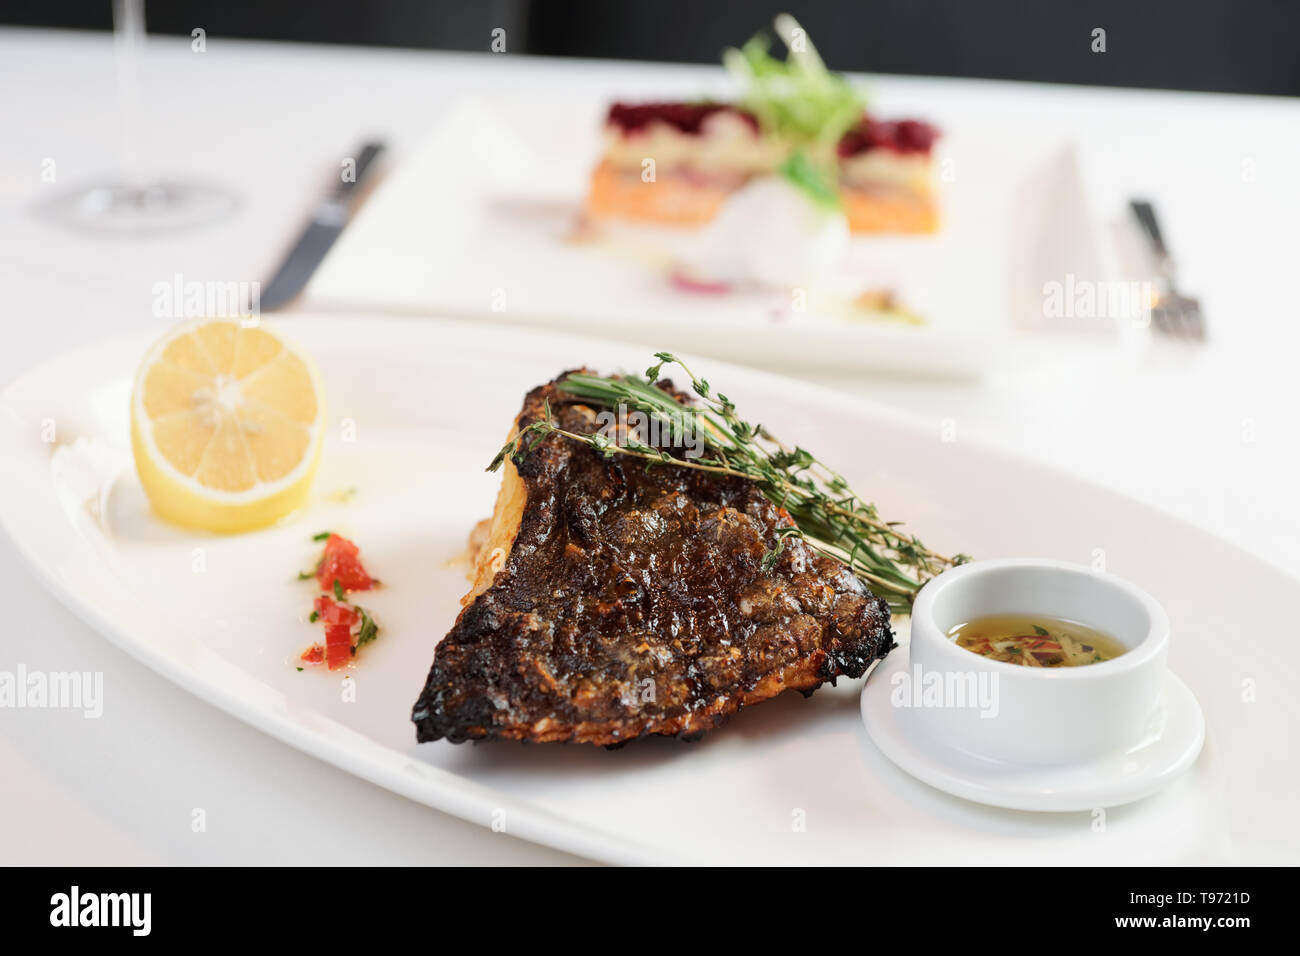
(778, 224)
(794, 119)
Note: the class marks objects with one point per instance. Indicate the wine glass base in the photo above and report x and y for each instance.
(153, 208)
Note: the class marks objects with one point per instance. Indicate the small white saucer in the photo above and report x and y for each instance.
(1169, 747)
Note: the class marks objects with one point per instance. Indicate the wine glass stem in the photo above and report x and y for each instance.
(128, 41)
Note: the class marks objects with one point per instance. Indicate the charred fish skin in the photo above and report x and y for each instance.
(624, 601)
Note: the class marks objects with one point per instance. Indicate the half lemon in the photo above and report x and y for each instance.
(226, 426)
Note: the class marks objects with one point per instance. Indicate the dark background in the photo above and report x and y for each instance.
(1247, 46)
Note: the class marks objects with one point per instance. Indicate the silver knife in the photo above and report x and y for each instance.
(327, 221)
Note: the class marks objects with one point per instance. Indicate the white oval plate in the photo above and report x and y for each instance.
(419, 406)
(1170, 745)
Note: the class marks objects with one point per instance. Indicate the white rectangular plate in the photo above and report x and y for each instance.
(427, 403)
(478, 222)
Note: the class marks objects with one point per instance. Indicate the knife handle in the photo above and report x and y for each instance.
(333, 208)
(369, 152)
(1146, 217)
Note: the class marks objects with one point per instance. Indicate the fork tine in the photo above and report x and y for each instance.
(1163, 321)
(1179, 319)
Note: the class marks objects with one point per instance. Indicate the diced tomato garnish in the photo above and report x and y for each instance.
(341, 562)
(330, 611)
(314, 654)
(338, 645)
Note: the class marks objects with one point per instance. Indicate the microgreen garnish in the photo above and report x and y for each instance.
(800, 102)
(827, 513)
(797, 98)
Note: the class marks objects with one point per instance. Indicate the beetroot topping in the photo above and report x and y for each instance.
(902, 136)
(907, 136)
(684, 117)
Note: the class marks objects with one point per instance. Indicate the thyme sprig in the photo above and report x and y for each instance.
(827, 513)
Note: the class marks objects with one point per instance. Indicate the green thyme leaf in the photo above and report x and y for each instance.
(771, 557)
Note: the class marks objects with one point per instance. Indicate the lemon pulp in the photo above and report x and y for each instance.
(226, 426)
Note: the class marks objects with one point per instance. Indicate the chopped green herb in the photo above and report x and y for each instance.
(369, 630)
(306, 575)
(315, 616)
(299, 668)
(338, 590)
(323, 536)
(1042, 631)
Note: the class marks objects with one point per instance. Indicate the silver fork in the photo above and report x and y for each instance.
(1172, 313)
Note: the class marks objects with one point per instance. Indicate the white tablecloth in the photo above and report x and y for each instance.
(1209, 434)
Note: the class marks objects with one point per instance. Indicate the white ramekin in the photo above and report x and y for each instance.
(1040, 715)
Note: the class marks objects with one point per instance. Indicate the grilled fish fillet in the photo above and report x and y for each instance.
(611, 601)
